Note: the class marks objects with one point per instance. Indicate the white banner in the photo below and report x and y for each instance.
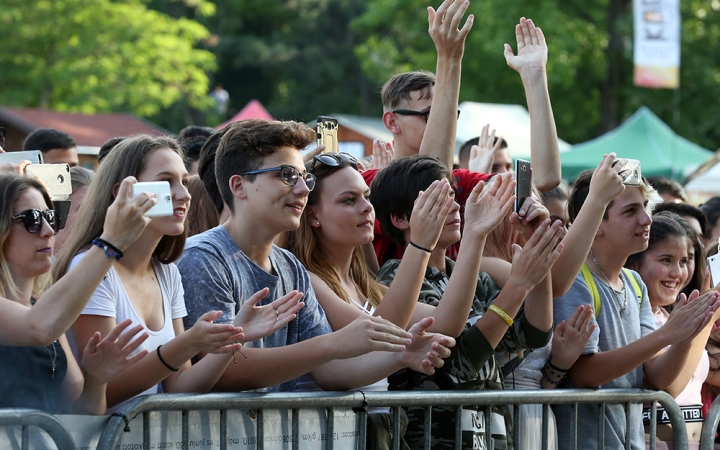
(657, 43)
(204, 431)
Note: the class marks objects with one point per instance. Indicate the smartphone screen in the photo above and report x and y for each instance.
(523, 182)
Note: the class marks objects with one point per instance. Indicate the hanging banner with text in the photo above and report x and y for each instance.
(657, 43)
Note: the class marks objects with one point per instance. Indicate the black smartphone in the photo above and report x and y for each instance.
(523, 182)
(327, 133)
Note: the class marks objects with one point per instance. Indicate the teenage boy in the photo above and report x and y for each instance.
(486, 317)
(624, 348)
(263, 181)
(56, 146)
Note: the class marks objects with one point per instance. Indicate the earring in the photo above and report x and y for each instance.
(316, 223)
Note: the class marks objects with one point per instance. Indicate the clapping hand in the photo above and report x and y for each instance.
(258, 322)
(485, 210)
(427, 350)
(104, 359)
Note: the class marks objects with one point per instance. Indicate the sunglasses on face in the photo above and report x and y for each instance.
(288, 175)
(33, 220)
(410, 112)
(333, 160)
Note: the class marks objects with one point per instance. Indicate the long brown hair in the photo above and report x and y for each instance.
(11, 188)
(126, 159)
(304, 244)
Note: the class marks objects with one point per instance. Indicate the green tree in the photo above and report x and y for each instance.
(100, 55)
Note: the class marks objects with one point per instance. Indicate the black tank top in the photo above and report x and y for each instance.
(26, 377)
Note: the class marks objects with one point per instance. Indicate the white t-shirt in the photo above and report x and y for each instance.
(111, 300)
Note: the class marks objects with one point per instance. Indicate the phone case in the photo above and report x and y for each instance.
(327, 133)
(56, 177)
(630, 173)
(713, 263)
(34, 156)
(523, 182)
(164, 206)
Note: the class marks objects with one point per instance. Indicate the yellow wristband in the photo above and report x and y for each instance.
(503, 315)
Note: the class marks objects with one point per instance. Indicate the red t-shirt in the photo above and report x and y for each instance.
(465, 181)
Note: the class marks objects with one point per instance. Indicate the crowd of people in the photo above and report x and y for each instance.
(279, 272)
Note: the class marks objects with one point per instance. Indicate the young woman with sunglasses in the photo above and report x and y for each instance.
(146, 285)
(37, 368)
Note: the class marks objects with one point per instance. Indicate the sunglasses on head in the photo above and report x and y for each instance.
(333, 160)
(33, 220)
(288, 175)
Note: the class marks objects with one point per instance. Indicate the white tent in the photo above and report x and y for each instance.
(511, 122)
(705, 182)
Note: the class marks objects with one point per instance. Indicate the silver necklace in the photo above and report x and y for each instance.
(53, 357)
(621, 304)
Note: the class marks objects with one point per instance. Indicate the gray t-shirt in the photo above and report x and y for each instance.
(612, 331)
(217, 275)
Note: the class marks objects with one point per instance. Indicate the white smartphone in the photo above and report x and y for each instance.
(164, 205)
(713, 263)
(55, 177)
(34, 156)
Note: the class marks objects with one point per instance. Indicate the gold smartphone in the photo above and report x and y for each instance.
(327, 133)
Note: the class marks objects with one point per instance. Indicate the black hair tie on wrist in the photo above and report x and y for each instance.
(163, 361)
(420, 248)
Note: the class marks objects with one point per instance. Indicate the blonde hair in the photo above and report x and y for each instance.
(12, 187)
(127, 159)
(304, 244)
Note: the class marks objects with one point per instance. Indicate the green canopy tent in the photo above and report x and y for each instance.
(644, 137)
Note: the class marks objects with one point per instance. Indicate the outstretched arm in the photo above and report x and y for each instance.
(439, 137)
(530, 62)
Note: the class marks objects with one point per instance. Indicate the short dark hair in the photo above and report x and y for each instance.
(467, 146)
(711, 208)
(193, 131)
(667, 186)
(684, 210)
(395, 188)
(107, 147)
(191, 149)
(46, 139)
(206, 168)
(400, 86)
(245, 145)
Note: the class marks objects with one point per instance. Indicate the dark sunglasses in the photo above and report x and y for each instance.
(410, 112)
(32, 219)
(333, 160)
(288, 175)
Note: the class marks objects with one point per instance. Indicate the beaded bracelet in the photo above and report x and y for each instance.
(547, 378)
(163, 361)
(110, 250)
(420, 248)
(503, 315)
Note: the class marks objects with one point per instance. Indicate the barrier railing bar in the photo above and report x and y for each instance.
(223, 429)
(488, 426)
(260, 430)
(573, 425)
(428, 426)
(330, 428)
(25, 433)
(707, 436)
(185, 430)
(362, 429)
(544, 424)
(516, 421)
(653, 425)
(458, 428)
(601, 426)
(178, 402)
(146, 430)
(396, 428)
(296, 429)
(628, 421)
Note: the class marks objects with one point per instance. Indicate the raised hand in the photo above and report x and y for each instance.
(485, 211)
(690, 317)
(443, 28)
(307, 157)
(606, 183)
(430, 213)
(125, 219)
(483, 154)
(532, 214)
(532, 49)
(104, 359)
(370, 333)
(258, 322)
(18, 168)
(383, 153)
(531, 263)
(210, 337)
(571, 337)
(427, 351)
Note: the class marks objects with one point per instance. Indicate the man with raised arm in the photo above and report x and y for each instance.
(263, 181)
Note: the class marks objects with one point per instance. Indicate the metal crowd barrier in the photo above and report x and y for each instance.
(26, 418)
(331, 400)
(710, 426)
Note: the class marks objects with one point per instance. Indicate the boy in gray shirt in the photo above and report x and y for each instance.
(262, 179)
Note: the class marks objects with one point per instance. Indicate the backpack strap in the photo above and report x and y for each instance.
(590, 281)
(635, 284)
